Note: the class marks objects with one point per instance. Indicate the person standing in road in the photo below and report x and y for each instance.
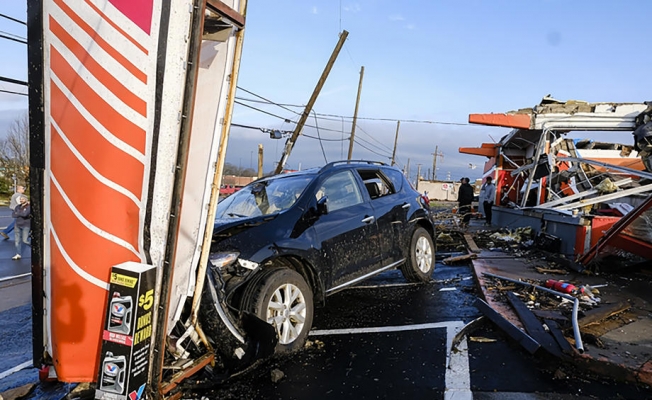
(488, 193)
(12, 205)
(22, 214)
(465, 198)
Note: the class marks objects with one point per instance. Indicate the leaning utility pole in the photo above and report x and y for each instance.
(306, 112)
(355, 114)
(260, 161)
(398, 125)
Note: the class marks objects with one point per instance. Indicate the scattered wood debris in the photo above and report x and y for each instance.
(466, 257)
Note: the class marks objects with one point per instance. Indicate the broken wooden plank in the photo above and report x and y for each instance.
(604, 311)
(472, 246)
(528, 343)
(533, 326)
(551, 271)
(550, 314)
(559, 336)
(468, 328)
(466, 257)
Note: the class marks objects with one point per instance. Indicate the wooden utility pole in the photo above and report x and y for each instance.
(355, 114)
(398, 125)
(434, 164)
(306, 112)
(407, 174)
(260, 161)
(418, 176)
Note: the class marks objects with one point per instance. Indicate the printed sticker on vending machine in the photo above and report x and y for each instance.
(126, 337)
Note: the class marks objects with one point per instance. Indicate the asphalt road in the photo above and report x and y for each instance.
(388, 339)
(383, 339)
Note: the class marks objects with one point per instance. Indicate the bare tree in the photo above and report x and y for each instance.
(14, 155)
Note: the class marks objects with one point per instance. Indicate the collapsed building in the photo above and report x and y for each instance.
(585, 198)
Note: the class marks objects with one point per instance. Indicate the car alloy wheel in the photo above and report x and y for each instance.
(421, 257)
(286, 311)
(423, 254)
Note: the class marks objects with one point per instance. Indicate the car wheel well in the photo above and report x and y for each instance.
(425, 225)
(305, 269)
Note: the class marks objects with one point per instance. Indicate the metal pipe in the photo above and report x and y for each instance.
(642, 174)
(576, 304)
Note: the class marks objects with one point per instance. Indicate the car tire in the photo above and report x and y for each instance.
(421, 259)
(282, 297)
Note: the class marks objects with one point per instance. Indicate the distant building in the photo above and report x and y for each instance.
(232, 183)
(440, 190)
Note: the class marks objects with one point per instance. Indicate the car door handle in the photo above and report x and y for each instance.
(368, 220)
(406, 206)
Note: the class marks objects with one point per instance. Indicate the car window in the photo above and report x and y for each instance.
(264, 197)
(376, 183)
(341, 190)
(396, 177)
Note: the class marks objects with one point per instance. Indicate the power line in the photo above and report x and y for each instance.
(14, 81)
(370, 144)
(283, 118)
(11, 38)
(339, 117)
(267, 130)
(325, 140)
(13, 35)
(320, 143)
(374, 139)
(364, 147)
(10, 92)
(264, 112)
(267, 100)
(12, 19)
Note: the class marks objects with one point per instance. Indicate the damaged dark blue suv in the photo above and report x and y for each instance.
(284, 243)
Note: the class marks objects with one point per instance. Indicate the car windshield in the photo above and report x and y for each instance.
(263, 198)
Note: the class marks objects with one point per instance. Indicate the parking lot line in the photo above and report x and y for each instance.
(458, 376)
(8, 278)
(15, 369)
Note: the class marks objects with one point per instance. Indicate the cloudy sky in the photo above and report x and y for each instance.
(432, 62)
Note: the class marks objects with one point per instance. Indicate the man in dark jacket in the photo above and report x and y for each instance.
(465, 198)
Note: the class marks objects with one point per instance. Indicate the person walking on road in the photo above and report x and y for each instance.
(465, 198)
(22, 214)
(488, 193)
(12, 205)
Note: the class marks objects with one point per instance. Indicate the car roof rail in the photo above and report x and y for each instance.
(335, 163)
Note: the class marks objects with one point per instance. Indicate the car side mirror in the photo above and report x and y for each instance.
(322, 205)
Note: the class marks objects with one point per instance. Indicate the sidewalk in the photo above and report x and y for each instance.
(616, 333)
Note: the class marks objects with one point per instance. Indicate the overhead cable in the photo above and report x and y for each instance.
(322, 115)
(10, 92)
(320, 143)
(364, 147)
(13, 19)
(2, 36)
(267, 100)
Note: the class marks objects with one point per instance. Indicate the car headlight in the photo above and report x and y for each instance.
(221, 260)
